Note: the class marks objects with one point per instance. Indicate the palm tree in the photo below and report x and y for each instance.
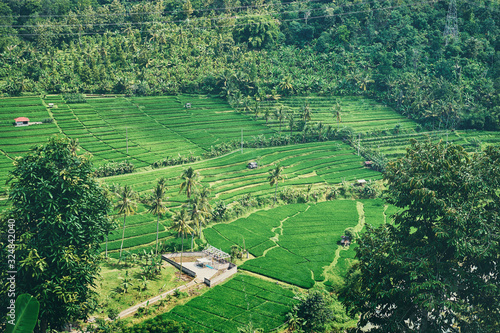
(181, 225)
(157, 205)
(190, 177)
(256, 109)
(291, 121)
(306, 113)
(126, 205)
(336, 113)
(201, 208)
(280, 115)
(275, 175)
(267, 115)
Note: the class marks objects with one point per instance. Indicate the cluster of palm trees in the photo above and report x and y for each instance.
(188, 220)
(193, 214)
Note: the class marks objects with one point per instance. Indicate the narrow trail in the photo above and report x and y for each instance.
(357, 228)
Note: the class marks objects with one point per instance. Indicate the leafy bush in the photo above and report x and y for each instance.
(74, 98)
(114, 168)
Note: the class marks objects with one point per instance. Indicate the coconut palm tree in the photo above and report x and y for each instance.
(190, 181)
(275, 175)
(126, 205)
(200, 208)
(182, 226)
(280, 114)
(306, 113)
(291, 121)
(157, 206)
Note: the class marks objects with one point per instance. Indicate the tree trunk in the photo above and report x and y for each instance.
(192, 239)
(123, 237)
(275, 192)
(106, 246)
(157, 231)
(182, 250)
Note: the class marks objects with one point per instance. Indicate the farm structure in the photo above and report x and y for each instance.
(21, 121)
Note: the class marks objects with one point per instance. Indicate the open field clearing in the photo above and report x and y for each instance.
(298, 243)
(236, 303)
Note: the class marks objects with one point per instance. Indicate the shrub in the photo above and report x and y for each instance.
(113, 314)
(74, 98)
(114, 168)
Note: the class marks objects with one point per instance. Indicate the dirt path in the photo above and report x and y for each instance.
(357, 228)
(155, 299)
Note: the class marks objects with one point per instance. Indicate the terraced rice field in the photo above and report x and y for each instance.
(361, 114)
(140, 130)
(235, 304)
(319, 164)
(228, 177)
(15, 141)
(296, 243)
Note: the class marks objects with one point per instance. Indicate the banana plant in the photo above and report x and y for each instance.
(25, 315)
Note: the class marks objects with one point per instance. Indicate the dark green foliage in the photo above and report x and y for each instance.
(161, 324)
(74, 98)
(313, 311)
(114, 168)
(437, 263)
(396, 54)
(60, 215)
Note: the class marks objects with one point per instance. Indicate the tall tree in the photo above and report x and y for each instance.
(200, 208)
(60, 214)
(182, 226)
(280, 115)
(436, 268)
(275, 176)
(306, 113)
(157, 205)
(126, 205)
(189, 181)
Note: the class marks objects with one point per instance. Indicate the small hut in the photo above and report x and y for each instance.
(252, 165)
(360, 182)
(21, 121)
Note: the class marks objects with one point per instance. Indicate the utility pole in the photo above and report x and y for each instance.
(242, 140)
(451, 27)
(126, 137)
(359, 142)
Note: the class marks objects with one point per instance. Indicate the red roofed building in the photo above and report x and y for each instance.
(22, 121)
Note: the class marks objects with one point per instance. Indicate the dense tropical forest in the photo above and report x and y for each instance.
(434, 63)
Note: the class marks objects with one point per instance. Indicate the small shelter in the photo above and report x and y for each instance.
(360, 182)
(51, 105)
(187, 105)
(21, 121)
(345, 241)
(368, 164)
(252, 165)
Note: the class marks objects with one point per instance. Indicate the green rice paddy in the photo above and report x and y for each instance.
(296, 243)
(235, 304)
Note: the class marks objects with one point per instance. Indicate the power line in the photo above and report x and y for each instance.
(191, 27)
(128, 13)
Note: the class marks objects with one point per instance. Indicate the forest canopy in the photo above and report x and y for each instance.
(403, 54)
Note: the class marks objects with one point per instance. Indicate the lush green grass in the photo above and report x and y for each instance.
(112, 296)
(236, 303)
